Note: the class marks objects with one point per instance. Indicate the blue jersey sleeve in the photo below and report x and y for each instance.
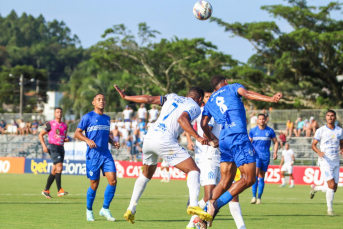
(206, 112)
(272, 133)
(84, 123)
(236, 87)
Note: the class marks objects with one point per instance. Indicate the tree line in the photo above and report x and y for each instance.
(302, 64)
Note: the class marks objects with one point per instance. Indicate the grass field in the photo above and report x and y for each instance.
(163, 205)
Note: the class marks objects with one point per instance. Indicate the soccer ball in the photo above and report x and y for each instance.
(202, 10)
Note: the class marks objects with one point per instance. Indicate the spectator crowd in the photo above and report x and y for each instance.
(20, 127)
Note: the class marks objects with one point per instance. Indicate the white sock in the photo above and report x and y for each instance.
(168, 175)
(283, 180)
(320, 188)
(202, 203)
(138, 190)
(236, 213)
(330, 193)
(292, 182)
(191, 224)
(163, 174)
(193, 183)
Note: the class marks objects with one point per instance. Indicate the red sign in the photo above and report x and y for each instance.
(302, 175)
(134, 169)
(12, 164)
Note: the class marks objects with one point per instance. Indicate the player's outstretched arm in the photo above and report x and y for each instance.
(78, 134)
(251, 95)
(315, 148)
(185, 124)
(139, 98)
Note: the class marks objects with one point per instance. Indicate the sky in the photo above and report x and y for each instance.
(89, 19)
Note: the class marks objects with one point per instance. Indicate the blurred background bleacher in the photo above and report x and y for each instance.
(28, 145)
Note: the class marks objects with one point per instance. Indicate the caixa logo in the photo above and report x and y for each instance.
(4, 166)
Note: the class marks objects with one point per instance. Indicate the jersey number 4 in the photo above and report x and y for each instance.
(220, 102)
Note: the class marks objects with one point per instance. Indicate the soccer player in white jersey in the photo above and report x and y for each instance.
(288, 160)
(331, 145)
(176, 116)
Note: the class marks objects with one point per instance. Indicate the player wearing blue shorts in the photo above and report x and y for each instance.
(261, 137)
(98, 157)
(226, 107)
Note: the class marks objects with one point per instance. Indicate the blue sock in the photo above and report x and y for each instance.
(224, 199)
(90, 198)
(254, 188)
(260, 187)
(109, 194)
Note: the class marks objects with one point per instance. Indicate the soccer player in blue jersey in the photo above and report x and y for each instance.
(226, 107)
(261, 137)
(98, 157)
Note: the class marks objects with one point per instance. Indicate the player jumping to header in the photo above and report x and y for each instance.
(331, 145)
(97, 136)
(261, 137)
(207, 159)
(57, 135)
(226, 107)
(161, 141)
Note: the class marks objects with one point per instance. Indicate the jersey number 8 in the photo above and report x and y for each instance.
(220, 102)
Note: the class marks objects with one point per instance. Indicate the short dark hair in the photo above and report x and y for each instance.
(197, 90)
(58, 108)
(216, 80)
(331, 111)
(208, 91)
(98, 94)
(261, 115)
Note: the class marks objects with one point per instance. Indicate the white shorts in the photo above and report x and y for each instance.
(165, 164)
(205, 153)
(165, 147)
(329, 171)
(209, 173)
(287, 168)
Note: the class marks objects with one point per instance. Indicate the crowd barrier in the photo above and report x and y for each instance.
(303, 175)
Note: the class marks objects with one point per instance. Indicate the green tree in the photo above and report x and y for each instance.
(299, 63)
(167, 66)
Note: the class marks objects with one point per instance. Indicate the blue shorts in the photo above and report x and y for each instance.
(262, 163)
(93, 166)
(237, 148)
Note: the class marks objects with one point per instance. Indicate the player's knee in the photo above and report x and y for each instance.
(58, 168)
(94, 186)
(113, 182)
(250, 181)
